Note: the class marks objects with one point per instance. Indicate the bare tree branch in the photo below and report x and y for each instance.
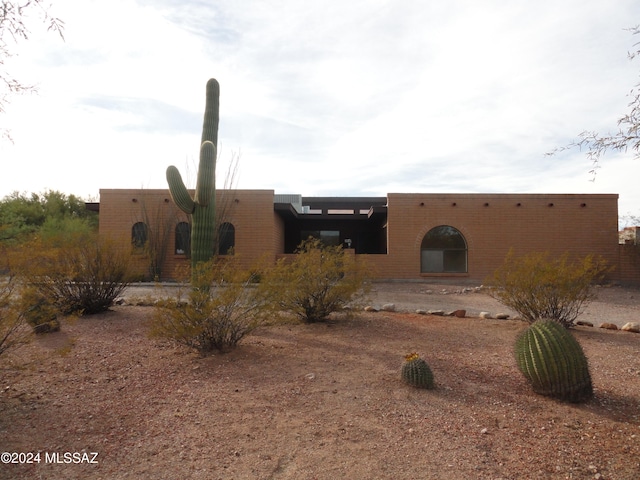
(627, 138)
(14, 16)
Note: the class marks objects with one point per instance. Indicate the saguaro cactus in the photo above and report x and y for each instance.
(553, 361)
(202, 207)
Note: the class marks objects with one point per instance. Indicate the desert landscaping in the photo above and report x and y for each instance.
(102, 400)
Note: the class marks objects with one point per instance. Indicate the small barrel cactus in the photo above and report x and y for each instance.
(416, 372)
(553, 361)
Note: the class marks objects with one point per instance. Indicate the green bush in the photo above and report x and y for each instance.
(318, 281)
(216, 312)
(538, 287)
(24, 215)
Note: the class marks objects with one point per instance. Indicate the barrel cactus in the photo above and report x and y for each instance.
(202, 206)
(553, 361)
(416, 372)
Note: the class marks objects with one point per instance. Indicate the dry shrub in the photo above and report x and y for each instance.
(83, 274)
(215, 312)
(13, 328)
(39, 311)
(319, 281)
(538, 287)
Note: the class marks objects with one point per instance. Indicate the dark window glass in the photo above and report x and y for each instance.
(139, 234)
(183, 238)
(226, 239)
(443, 250)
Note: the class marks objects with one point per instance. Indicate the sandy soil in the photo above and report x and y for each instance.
(320, 401)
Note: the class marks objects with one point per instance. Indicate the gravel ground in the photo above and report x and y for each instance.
(321, 401)
(613, 304)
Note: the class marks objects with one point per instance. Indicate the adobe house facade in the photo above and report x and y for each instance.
(409, 236)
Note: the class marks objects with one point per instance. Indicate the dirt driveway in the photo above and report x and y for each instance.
(614, 304)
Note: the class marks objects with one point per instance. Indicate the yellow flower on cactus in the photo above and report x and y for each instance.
(411, 357)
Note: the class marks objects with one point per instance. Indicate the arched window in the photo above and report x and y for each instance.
(226, 239)
(139, 234)
(443, 250)
(183, 239)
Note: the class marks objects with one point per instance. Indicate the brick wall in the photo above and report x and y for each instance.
(490, 223)
(250, 211)
(278, 234)
(494, 223)
(628, 271)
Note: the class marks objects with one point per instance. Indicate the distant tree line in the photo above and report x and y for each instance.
(52, 213)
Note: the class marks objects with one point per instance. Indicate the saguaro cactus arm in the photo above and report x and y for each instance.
(178, 191)
(206, 174)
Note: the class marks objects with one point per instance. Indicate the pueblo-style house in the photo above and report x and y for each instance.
(405, 236)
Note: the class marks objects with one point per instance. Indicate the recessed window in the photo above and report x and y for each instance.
(443, 250)
(183, 239)
(139, 234)
(226, 239)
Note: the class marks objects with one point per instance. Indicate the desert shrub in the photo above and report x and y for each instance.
(39, 311)
(215, 312)
(13, 328)
(318, 281)
(538, 287)
(83, 274)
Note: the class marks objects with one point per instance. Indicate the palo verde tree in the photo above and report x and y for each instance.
(202, 207)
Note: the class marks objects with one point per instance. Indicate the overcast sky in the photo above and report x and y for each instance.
(326, 98)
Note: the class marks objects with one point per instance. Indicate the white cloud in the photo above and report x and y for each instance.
(327, 98)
